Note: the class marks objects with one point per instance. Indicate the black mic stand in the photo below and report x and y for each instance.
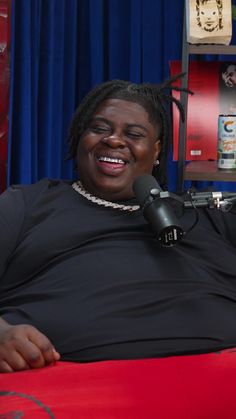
(166, 225)
(162, 209)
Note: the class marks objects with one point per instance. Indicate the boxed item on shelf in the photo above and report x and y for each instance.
(208, 21)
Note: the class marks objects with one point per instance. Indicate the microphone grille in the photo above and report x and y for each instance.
(142, 187)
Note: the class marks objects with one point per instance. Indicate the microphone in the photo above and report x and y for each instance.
(157, 211)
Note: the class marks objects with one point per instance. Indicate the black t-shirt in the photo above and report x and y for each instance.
(98, 284)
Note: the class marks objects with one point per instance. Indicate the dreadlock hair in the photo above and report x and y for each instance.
(152, 97)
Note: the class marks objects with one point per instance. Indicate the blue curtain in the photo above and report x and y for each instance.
(43, 93)
(62, 48)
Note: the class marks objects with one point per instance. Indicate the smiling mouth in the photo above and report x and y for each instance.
(112, 160)
(111, 166)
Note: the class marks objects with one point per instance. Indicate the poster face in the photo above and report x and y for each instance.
(214, 88)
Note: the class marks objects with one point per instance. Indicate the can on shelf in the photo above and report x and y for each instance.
(227, 142)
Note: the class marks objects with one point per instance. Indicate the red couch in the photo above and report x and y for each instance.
(183, 387)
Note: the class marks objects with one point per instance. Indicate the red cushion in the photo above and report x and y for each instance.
(183, 387)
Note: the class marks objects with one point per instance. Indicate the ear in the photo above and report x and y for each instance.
(157, 149)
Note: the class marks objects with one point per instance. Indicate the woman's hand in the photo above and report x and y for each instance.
(23, 347)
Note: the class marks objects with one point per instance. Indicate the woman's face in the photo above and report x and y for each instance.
(119, 145)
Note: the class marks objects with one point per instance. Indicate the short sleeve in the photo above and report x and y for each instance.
(12, 209)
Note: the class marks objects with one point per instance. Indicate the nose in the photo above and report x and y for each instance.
(114, 141)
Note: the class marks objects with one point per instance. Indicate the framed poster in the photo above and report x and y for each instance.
(214, 87)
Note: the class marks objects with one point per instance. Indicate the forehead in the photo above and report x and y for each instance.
(127, 111)
(208, 5)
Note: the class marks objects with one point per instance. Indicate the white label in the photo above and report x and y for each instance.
(195, 152)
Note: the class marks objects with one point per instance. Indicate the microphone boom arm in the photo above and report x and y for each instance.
(223, 201)
(163, 217)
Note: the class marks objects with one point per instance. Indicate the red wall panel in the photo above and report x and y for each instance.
(5, 6)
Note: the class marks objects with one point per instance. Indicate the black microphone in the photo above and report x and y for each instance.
(157, 211)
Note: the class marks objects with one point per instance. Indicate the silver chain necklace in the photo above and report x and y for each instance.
(77, 186)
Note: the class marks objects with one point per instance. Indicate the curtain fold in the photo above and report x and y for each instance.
(60, 49)
(43, 77)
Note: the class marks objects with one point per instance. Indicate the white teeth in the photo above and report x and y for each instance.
(111, 160)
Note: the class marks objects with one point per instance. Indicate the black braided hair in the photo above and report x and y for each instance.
(152, 97)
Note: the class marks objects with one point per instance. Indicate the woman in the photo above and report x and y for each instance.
(82, 276)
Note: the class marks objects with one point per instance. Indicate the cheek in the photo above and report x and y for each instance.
(82, 153)
(146, 156)
(88, 141)
(84, 145)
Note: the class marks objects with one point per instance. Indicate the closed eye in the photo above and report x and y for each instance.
(135, 135)
(100, 129)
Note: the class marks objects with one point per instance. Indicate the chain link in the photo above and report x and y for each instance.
(77, 186)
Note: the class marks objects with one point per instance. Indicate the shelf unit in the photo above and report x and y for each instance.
(198, 170)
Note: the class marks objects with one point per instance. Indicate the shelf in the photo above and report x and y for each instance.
(208, 170)
(198, 170)
(212, 49)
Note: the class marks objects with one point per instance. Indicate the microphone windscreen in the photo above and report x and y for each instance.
(142, 187)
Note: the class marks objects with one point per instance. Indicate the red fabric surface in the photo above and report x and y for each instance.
(190, 387)
(5, 6)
